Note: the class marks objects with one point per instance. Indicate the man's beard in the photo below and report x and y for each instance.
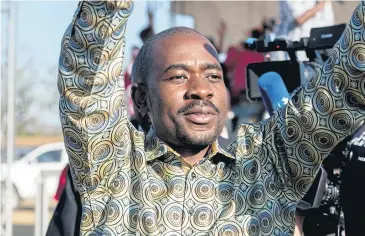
(203, 140)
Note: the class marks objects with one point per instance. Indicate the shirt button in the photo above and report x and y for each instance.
(193, 176)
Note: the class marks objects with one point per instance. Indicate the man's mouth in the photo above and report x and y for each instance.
(200, 115)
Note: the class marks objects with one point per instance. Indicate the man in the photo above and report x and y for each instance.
(177, 180)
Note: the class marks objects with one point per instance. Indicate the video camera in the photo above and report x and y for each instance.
(291, 71)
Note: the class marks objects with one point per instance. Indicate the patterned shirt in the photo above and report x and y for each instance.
(135, 184)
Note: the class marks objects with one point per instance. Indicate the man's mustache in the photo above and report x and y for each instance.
(198, 103)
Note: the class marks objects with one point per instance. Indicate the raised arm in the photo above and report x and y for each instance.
(319, 115)
(91, 86)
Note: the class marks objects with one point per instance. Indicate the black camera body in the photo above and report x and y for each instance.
(353, 194)
(290, 70)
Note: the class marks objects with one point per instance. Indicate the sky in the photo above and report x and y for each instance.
(39, 30)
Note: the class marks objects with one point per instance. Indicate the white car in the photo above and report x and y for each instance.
(25, 172)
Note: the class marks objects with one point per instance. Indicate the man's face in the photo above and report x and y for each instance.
(187, 96)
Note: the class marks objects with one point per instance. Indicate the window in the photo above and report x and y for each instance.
(52, 156)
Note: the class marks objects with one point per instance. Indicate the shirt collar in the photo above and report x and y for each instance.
(156, 148)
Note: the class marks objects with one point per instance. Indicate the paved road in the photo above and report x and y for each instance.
(24, 218)
(23, 230)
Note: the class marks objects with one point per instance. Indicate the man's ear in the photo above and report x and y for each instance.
(139, 95)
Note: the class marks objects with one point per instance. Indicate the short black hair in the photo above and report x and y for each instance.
(145, 57)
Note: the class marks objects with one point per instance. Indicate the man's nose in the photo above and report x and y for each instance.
(199, 88)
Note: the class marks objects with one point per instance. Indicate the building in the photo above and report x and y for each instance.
(241, 16)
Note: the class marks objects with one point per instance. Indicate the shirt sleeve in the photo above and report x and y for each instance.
(92, 110)
(320, 114)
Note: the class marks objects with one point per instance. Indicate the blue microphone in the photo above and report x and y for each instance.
(273, 90)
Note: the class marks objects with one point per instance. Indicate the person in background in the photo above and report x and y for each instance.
(236, 62)
(149, 31)
(297, 18)
(128, 71)
(128, 85)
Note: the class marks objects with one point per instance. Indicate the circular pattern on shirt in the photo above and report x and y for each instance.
(311, 85)
(240, 200)
(294, 168)
(67, 61)
(101, 32)
(224, 192)
(177, 188)
(351, 71)
(101, 152)
(245, 146)
(229, 229)
(329, 65)
(88, 80)
(95, 57)
(173, 168)
(138, 159)
(354, 99)
(116, 70)
(95, 122)
(302, 185)
(308, 119)
(120, 134)
(292, 132)
(87, 18)
(203, 217)
(356, 19)
(227, 211)
(206, 169)
(113, 212)
(148, 221)
(158, 169)
(203, 190)
(73, 98)
(323, 141)
(340, 121)
(136, 189)
(106, 232)
(362, 85)
(119, 31)
(77, 42)
(99, 212)
(251, 226)
(119, 184)
(250, 170)
(130, 217)
(288, 214)
(357, 57)
(266, 222)
(158, 189)
(73, 140)
(323, 102)
(346, 40)
(338, 83)
(271, 187)
(173, 216)
(87, 221)
(306, 153)
(91, 182)
(256, 196)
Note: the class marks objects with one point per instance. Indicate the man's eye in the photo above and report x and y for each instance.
(215, 77)
(178, 77)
